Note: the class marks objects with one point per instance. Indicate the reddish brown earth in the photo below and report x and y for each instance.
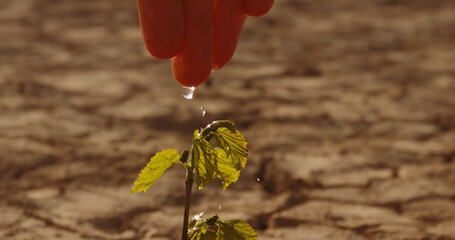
(348, 107)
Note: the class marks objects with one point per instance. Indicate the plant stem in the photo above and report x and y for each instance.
(188, 187)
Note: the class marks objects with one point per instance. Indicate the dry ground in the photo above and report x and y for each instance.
(348, 107)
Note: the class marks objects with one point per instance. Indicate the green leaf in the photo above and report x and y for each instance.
(155, 168)
(234, 144)
(212, 127)
(184, 156)
(226, 168)
(195, 223)
(225, 230)
(235, 230)
(204, 158)
(202, 233)
(211, 221)
(223, 123)
(225, 162)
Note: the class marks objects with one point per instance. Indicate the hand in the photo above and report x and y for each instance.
(199, 35)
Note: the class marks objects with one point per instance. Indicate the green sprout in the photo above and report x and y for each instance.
(218, 151)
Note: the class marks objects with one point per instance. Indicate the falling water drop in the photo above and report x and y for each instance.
(203, 111)
(258, 179)
(219, 207)
(188, 92)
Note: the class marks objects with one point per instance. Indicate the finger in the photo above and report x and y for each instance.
(192, 66)
(162, 26)
(228, 23)
(256, 8)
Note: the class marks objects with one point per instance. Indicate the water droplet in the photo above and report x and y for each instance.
(258, 179)
(219, 206)
(197, 217)
(188, 92)
(194, 229)
(203, 111)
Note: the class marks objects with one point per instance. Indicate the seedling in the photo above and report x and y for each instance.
(218, 151)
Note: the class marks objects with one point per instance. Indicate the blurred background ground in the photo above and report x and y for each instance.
(348, 107)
